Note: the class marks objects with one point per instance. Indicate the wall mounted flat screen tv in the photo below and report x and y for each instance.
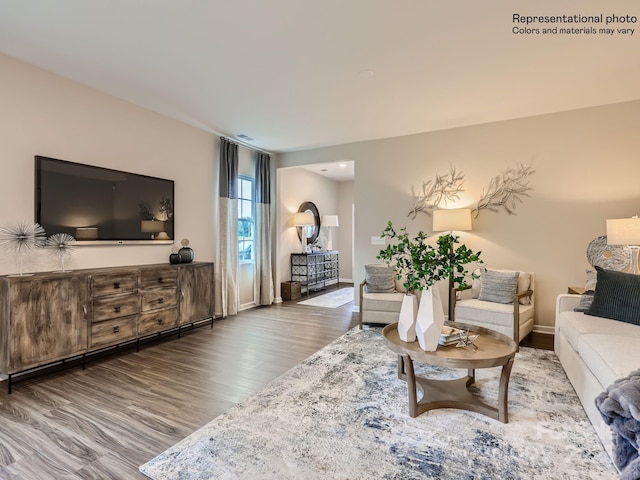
(100, 205)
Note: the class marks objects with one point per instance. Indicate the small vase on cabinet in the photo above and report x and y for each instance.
(429, 319)
(407, 319)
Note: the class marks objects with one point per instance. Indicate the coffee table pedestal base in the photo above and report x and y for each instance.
(451, 393)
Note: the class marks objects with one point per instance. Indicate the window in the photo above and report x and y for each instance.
(246, 220)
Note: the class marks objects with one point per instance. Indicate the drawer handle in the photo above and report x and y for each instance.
(117, 309)
(159, 279)
(116, 329)
(160, 321)
(160, 300)
(116, 285)
(84, 309)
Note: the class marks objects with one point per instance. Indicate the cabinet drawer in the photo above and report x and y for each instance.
(157, 321)
(113, 331)
(106, 308)
(113, 284)
(159, 277)
(159, 298)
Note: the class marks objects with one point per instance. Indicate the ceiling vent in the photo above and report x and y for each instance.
(244, 137)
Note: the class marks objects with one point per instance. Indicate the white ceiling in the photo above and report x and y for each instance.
(293, 74)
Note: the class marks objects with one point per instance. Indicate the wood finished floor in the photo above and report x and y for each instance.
(105, 421)
(124, 409)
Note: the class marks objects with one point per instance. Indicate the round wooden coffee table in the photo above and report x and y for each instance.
(494, 350)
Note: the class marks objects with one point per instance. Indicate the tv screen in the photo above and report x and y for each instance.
(95, 204)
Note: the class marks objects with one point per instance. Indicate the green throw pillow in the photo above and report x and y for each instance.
(617, 296)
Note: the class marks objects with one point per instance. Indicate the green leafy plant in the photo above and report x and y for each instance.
(420, 265)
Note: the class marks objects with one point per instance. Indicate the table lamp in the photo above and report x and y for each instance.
(303, 220)
(626, 231)
(329, 221)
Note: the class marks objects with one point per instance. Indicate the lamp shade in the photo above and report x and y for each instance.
(449, 220)
(302, 219)
(329, 221)
(623, 231)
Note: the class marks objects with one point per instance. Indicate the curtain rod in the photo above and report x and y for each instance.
(246, 145)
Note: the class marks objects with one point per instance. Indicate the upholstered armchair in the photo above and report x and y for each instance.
(500, 300)
(381, 295)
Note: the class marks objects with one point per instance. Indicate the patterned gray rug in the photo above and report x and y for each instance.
(342, 414)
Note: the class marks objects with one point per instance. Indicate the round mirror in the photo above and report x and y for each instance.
(311, 231)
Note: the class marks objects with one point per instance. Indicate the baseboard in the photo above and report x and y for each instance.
(345, 280)
(356, 308)
(546, 329)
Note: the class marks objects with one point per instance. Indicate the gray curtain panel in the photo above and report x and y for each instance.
(228, 235)
(264, 279)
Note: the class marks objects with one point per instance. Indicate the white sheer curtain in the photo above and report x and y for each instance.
(226, 267)
(264, 279)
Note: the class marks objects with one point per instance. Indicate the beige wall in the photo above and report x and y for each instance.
(587, 170)
(45, 114)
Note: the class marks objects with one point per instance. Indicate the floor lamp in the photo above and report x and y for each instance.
(303, 220)
(329, 221)
(626, 231)
(458, 219)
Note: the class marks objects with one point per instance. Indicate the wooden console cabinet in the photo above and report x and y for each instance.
(53, 316)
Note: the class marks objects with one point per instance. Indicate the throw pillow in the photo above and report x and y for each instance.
(586, 299)
(379, 279)
(498, 287)
(617, 296)
(591, 280)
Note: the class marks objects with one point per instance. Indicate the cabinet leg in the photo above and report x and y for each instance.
(9, 384)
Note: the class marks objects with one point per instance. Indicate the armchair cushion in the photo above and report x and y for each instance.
(379, 278)
(499, 287)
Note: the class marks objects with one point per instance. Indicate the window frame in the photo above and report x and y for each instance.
(242, 199)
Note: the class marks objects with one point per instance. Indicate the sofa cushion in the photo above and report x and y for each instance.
(617, 296)
(379, 278)
(491, 313)
(498, 286)
(574, 324)
(609, 357)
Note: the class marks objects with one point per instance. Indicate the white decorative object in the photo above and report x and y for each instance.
(429, 320)
(22, 238)
(60, 245)
(407, 319)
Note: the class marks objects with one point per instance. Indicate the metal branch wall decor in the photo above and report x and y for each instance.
(505, 191)
(444, 187)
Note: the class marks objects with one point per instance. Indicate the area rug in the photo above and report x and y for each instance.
(342, 414)
(332, 299)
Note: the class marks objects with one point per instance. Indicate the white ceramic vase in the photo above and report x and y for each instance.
(407, 319)
(429, 319)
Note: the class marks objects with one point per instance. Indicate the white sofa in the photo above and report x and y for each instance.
(594, 352)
